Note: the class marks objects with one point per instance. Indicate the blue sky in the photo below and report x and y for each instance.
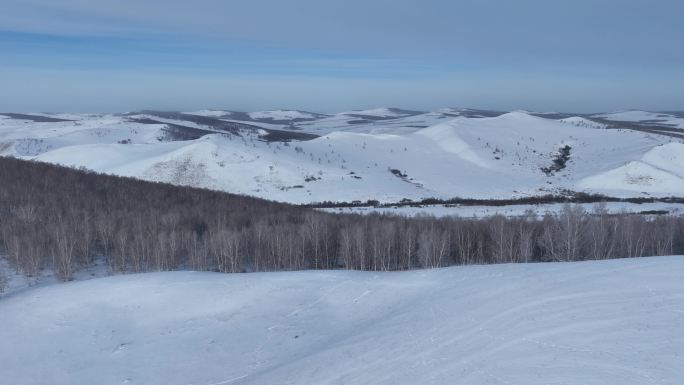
(121, 55)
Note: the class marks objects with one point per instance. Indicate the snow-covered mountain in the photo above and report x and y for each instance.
(383, 154)
(617, 322)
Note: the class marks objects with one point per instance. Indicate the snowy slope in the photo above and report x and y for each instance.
(443, 154)
(582, 122)
(659, 169)
(27, 138)
(616, 322)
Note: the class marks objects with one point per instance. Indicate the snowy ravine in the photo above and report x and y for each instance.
(610, 322)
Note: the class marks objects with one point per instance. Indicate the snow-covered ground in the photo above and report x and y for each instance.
(675, 209)
(663, 118)
(380, 154)
(17, 282)
(617, 322)
(211, 113)
(281, 115)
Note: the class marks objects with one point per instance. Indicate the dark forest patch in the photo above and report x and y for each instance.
(559, 161)
(34, 118)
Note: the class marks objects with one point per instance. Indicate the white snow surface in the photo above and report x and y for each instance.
(618, 322)
(376, 112)
(582, 122)
(511, 211)
(281, 115)
(435, 155)
(212, 113)
(661, 168)
(645, 116)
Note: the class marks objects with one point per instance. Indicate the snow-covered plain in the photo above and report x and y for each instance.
(464, 211)
(617, 322)
(380, 154)
(281, 115)
(668, 119)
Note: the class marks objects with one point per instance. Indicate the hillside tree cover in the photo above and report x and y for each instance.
(62, 218)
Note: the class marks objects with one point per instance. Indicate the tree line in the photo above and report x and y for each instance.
(565, 197)
(63, 219)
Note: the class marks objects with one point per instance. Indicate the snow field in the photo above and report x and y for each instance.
(610, 322)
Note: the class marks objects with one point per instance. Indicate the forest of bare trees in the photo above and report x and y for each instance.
(63, 219)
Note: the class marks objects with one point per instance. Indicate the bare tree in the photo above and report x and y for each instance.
(59, 218)
(502, 236)
(525, 237)
(4, 281)
(433, 243)
(64, 254)
(563, 238)
(601, 230)
(663, 237)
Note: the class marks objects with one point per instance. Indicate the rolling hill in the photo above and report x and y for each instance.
(382, 154)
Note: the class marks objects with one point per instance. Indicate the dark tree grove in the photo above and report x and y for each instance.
(61, 218)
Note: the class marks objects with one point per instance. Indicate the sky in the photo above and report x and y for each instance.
(333, 55)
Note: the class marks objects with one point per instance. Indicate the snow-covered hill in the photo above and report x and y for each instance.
(380, 154)
(617, 322)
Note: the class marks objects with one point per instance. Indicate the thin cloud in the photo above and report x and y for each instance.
(536, 54)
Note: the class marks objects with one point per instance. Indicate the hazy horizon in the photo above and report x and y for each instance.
(330, 112)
